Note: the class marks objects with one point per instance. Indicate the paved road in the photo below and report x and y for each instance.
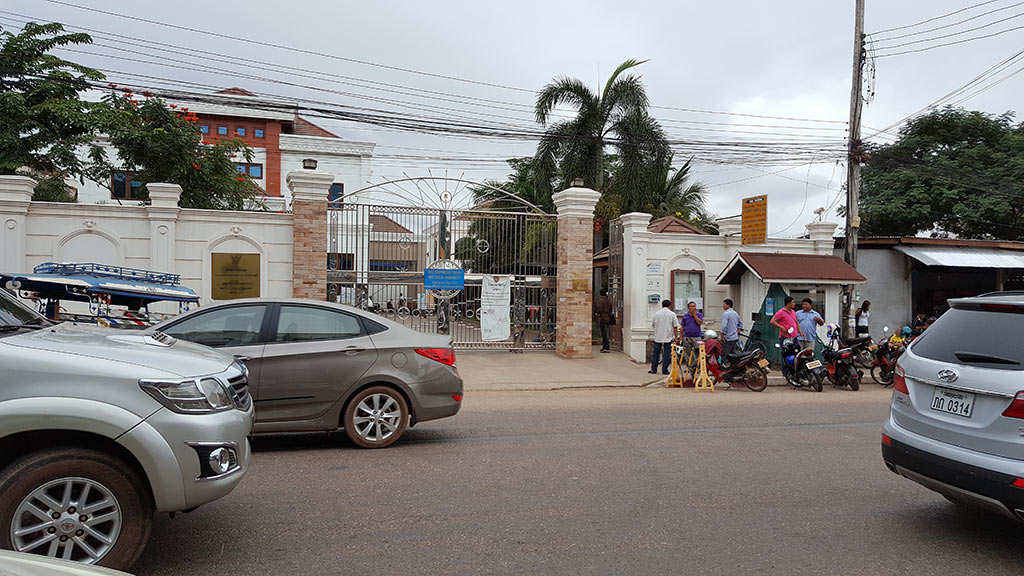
(621, 481)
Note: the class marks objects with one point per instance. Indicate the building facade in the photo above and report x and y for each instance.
(279, 137)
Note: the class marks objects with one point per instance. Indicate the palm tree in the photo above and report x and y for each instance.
(673, 194)
(618, 117)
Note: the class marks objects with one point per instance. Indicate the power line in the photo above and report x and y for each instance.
(964, 21)
(151, 43)
(951, 34)
(955, 12)
(950, 43)
(289, 48)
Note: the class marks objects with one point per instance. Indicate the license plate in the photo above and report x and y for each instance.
(762, 363)
(873, 347)
(953, 402)
(814, 364)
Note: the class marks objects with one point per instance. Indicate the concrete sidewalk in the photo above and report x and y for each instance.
(543, 370)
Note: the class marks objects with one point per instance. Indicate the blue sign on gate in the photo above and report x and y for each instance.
(444, 279)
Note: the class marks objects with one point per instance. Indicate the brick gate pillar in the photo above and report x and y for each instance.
(575, 207)
(309, 232)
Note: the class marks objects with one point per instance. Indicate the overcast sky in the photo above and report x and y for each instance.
(788, 58)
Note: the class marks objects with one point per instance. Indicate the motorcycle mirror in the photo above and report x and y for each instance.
(777, 345)
(885, 329)
(790, 331)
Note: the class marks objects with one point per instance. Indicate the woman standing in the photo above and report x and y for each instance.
(862, 316)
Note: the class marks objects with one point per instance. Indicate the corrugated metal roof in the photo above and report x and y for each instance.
(959, 257)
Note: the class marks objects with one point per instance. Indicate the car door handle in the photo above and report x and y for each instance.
(353, 351)
(241, 358)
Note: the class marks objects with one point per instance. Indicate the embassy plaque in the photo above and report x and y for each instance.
(235, 276)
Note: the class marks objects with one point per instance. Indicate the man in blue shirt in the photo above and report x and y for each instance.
(731, 325)
(809, 320)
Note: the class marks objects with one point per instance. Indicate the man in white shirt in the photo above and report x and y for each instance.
(666, 331)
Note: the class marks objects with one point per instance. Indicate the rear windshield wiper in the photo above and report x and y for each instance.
(11, 328)
(978, 358)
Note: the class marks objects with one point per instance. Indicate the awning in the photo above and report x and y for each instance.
(960, 257)
(790, 269)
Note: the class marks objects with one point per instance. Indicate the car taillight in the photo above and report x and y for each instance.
(1018, 483)
(1016, 408)
(445, 356)
(899, 380)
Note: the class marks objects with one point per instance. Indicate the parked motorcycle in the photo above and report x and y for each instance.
(839, 361)
(889, 350)
(746, 367)
(799, 366)
(863, 348)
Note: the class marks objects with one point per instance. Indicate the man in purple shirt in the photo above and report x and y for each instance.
(691, 323)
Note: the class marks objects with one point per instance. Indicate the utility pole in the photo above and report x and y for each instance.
(854, 153)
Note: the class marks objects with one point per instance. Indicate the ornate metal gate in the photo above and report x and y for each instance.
(378, 254)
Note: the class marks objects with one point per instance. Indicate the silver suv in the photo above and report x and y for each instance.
(956, 419)
(101, 428)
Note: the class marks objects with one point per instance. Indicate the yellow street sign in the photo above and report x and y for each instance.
(755, 220)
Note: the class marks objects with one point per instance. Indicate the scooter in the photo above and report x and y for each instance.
(799, 367)
(746, 367)
(839, 362)
(863, 348)
(883, 369)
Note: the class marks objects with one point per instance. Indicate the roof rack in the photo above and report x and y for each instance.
(107, 271)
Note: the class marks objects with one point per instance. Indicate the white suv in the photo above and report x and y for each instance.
(956, 419)
(101, 428)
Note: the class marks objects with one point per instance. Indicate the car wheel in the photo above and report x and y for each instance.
(75, 504)
(376, 417)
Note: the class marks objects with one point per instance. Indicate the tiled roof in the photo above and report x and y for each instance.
(304, 127)
(790, 267)
(384, 224)
(673, 225)
(235, 92)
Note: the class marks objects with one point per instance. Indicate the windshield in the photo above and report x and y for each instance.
(974, 337)
(14, 313)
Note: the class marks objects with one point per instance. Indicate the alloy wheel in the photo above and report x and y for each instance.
(69, 518)
(377, 417)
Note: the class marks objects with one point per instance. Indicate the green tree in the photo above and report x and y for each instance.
(952, 171)
(44, 122)
(617, 117)
(163, 144)
(511, 241)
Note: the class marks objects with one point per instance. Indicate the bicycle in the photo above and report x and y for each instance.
(753, 342)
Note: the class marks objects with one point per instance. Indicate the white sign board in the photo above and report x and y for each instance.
(495, 308)
(654, 268)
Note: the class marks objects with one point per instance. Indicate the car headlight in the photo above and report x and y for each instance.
(190, 396)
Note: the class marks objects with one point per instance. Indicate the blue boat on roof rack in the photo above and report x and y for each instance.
(99, 284)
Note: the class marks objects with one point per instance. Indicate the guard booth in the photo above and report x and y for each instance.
(765, 279)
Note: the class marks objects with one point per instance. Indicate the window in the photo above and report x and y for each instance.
(988, 329)
(337, 192)
(240, 131)
(204, 128)
(258, 133)
(687, 286)
(222, 130)
(230, 326)
(308, 324)
(253, 170)
(340, 262)
(126, 186)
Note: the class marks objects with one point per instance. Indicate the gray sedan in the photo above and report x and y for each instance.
(319, 366)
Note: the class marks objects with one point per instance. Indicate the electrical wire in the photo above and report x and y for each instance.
(950, 35)
(930, 30)
(950, 43)
(954, 13)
